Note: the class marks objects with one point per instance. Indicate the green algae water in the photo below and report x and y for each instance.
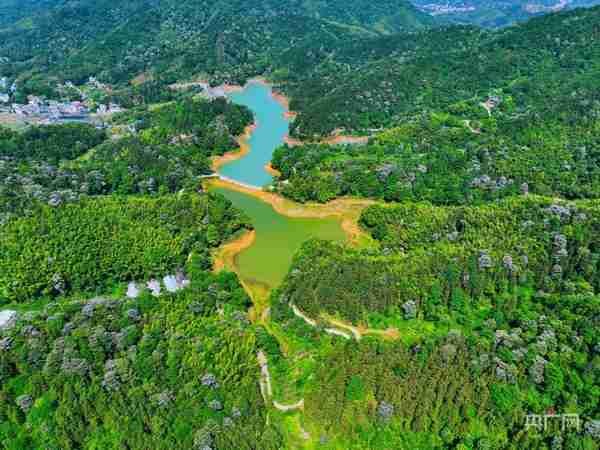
(278, 237)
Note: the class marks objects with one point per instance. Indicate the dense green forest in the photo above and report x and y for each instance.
(470, 387)
(550, 246)
(503, 296)
(169, 149)
(147, 373)
(96, 243)
(524, 121)
(50, 143)
(459, 156)
(388, 80)
(470, 302)
(227, 40)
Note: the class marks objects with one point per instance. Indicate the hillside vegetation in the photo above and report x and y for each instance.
(468, 309)
(384, 81)
(225, 40)
(503, 296)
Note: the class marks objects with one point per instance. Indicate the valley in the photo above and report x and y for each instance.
(300, 225)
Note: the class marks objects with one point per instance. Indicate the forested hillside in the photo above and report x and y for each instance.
(170, 149)
(494, 314)
(473, 275)
(152, 372)
(464, 308)
(511, 112)
(228, 40)
(12, 11)
(540, 63)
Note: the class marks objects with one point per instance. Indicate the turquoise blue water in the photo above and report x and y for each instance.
(271, 129)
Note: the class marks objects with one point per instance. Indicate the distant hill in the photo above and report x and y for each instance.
(495, 13)
(234, 39)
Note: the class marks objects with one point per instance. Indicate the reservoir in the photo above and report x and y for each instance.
(271, 129)
(278, 237)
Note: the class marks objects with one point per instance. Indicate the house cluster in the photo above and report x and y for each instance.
(56, 110)
(51, 111)
(440, 9)
(111, 108)
(212, 92)
(92, 83)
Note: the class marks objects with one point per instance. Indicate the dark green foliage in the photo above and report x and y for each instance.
(497, 312)
(387, 80)
(211, 124)
(494, 297)
(523, 119)
(50, 143)
(439, 159)
(150, 373)
(230, 40)
(418, 395)
(169, 151)
(462, 389)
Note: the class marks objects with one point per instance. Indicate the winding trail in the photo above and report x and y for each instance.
(351, 331)
(266, 386)
(470, 127)
(303, 316)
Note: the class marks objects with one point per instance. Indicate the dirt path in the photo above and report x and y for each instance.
(471, 129)
(292, 407)
(350, 331)
(337, 332)
(298, 313)
(487, 108)
(357, 335)
(266, 387)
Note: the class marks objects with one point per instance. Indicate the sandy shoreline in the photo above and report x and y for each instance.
(225, 256)
(271, 171)
(219, 161)
(348, 210)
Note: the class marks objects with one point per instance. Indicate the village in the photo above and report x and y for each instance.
(41, 111)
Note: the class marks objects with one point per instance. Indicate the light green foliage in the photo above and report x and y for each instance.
(91, 245)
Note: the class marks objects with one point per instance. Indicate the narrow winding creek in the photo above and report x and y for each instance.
(277, 237)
